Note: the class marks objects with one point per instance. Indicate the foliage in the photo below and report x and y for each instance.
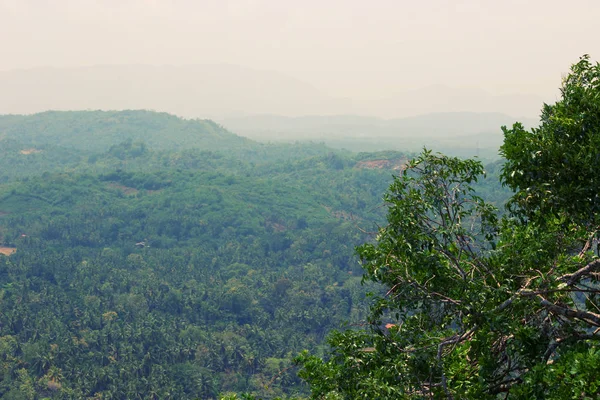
(99, 130)
(480, 305)
(143, 271)
(554, 168)
(100, 141)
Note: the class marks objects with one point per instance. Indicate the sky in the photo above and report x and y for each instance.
(346, 48)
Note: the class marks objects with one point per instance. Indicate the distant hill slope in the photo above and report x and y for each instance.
(95, 141)
(442, 98)
(99, 130)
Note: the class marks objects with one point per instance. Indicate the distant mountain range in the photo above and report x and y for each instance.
(436, 125)
(461, 133)
(221, 90)
(197, 91)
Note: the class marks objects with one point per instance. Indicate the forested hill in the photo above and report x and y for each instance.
(148, 256)
(98, 130)
(101, 141)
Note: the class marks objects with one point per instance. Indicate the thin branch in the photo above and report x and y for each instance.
(570, 279)
(589, 317)
(573, 338)
(588, 244)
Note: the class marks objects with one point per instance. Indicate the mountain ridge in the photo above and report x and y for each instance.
(107, 128)
(222, 90)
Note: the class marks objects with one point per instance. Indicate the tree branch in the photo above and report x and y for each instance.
(589, 317)
(570, 279)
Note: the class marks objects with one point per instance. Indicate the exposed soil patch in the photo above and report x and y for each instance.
(3, 213)
(30, 151)
(7, 251)
(278, 227)
(339, 214)
(396, 165)
(130, 191)
(125, 189)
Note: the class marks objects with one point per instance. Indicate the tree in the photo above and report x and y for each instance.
(477, 305)
(554, 168)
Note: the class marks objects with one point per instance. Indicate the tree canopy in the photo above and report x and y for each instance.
(554, 168)
(482, 304)
(130, 270)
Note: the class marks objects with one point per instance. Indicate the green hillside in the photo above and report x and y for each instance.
(169, 258)
(102, 141)
(157, 257)
(98, 130)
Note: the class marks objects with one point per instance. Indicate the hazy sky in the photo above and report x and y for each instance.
(360, 49)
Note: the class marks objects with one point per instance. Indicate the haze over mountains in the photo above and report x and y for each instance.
(222, 90)
(464, 134)
(435, 125)
(267, 105)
